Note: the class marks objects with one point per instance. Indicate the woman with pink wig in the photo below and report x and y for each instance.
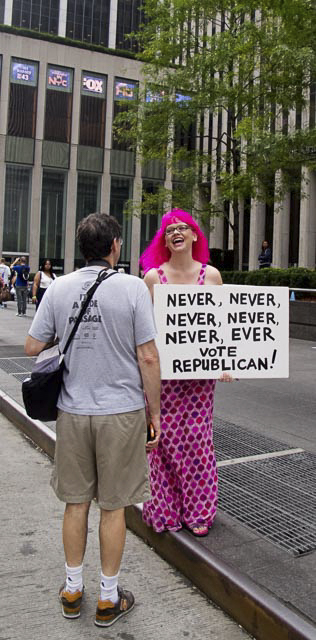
(183, 471)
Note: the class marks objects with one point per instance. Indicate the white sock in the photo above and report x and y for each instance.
(74, 579)
(108, 587)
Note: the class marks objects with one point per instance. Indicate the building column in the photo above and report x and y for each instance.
(241, 231)
(307, 244)
(106, 177)
(72, 180)
(217, 233)
(281, 231)
(62, 18)
(216, 238)
(136, 226)
(257, 231)
(70, 221)
(35, 212)
(4, 103)
(8, 13)
(112, 25)
(2, 189)
(37, 174)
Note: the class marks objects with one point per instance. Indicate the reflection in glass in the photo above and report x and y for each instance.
(42, 15)
(16, 209)
(88, 21)
(121, 191)
(88, 201)
(149, 222)
(53, 215)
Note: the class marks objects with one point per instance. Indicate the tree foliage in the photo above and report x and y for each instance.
(247, 65)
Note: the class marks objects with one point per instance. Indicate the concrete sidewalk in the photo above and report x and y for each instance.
(167, 606)
(264, 432)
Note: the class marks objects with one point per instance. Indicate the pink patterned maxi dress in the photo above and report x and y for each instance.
(183, 473)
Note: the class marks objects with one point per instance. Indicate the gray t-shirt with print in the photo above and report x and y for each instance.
(101, 375)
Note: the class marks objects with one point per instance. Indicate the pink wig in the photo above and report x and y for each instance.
(157, 252)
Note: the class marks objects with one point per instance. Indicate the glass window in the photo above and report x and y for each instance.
(88, 21)
(121, 191)
(185, 136)
(92, 110)
(88, 201)
(16, 209)
(53, 215)
(149, 222)
(129, 17)
(41, 15)
(22, 99)
(2, 3)
(58, 110)
(124, 94)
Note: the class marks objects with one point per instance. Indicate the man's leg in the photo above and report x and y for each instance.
(24, 299)
(75, 528)
(112, 532)
(114, 602)
(19, 299)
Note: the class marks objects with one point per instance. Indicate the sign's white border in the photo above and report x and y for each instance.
(206, 331)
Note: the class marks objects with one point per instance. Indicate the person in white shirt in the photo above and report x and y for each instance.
(5, 273)
(43, 278)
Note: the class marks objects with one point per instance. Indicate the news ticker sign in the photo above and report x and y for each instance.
(23, 73)
(205, 331)
(93, 85)
(59, 79)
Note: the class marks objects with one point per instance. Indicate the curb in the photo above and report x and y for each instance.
(251, 606)
(36, 430)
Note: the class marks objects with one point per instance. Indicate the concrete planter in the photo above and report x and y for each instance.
(303, 320)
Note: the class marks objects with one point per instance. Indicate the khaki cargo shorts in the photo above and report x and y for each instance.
(101, 457)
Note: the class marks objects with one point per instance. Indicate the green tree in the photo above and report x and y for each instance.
(247, 64)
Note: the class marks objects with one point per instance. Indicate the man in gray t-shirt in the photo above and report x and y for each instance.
(101, 426)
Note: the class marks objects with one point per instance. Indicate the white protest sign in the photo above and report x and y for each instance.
(206, 331)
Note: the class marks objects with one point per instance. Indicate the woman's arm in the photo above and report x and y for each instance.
(150, 279)
(212, 276)
(36, 284)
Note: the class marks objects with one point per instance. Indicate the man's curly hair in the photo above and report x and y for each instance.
(95, 235)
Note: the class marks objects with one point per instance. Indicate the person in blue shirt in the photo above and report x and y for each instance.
(265, 256)
(22, 271)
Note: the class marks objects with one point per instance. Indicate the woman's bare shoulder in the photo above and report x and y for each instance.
(212, 276)
(151, 277)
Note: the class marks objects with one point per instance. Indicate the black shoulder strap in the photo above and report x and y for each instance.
(102, 275)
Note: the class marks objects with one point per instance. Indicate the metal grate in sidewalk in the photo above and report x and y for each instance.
(21, 376)
(233, 441)
(17, 365)
(266, 497)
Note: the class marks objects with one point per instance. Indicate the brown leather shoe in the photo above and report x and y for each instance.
(107, 613)
(70, 602)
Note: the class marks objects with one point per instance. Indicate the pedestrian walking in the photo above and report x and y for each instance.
(183, 473)
(5, 273)
(42, 279)
(101, 427)
(22, 271)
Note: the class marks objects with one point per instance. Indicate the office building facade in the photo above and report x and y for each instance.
(59, 159)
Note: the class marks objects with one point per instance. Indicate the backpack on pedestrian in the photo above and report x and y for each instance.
(25, 273)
